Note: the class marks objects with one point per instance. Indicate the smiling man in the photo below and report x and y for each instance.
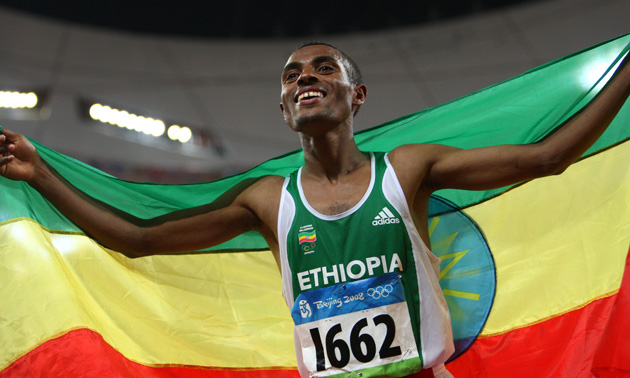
(349, 229)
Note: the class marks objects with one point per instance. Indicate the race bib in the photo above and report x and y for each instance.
(358, 327)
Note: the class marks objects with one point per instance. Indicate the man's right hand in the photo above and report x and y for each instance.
(18, 157)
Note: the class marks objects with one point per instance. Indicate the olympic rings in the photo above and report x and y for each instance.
(380, 291)
(308, 247)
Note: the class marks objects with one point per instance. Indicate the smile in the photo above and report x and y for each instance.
(310, 95)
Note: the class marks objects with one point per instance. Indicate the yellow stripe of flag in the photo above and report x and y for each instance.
(190, 309)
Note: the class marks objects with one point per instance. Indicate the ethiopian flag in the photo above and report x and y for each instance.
(533, 273)
(307, 237)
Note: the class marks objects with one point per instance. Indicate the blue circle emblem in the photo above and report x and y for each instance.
(467, 271)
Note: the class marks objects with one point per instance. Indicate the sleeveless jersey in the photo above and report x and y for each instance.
(375, 237)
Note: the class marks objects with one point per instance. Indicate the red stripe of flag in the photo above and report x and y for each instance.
(612, 357)
(84, 353)
(583, 342)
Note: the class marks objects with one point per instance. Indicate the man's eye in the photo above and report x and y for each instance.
(291, 77)
(325, 68)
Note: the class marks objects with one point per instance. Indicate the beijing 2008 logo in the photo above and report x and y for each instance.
(305, 309)
(380, 291)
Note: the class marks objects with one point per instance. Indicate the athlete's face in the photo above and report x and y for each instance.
(316, 89)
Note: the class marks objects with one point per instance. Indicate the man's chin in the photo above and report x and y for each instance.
(305, 120)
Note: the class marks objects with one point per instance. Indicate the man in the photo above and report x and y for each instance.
(321, 93)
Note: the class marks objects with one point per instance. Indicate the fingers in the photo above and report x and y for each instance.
(7, 140)
(5, 147)
(8, 135)
(5, 159)
(5, 150)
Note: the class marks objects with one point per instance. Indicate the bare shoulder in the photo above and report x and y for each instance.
(263, 198)
(263, 190)
(413, 162)
(413, 154)
(267, 185)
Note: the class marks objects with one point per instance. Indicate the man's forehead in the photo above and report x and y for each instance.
(309, 53)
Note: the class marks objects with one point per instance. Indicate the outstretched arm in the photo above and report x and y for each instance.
(19, 160)
(493, 167)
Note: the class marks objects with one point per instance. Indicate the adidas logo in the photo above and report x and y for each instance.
(385, 217)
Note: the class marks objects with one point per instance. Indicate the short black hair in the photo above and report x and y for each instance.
(354, 72)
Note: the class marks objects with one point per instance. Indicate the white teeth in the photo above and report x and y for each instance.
(310, 94)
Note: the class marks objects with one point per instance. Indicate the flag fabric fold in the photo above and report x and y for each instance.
(532, 273)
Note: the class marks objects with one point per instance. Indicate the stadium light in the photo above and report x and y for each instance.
(24, 104)
(182, 134)
(18, 100)
(126, 121)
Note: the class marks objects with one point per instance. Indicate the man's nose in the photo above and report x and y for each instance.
(307, 77)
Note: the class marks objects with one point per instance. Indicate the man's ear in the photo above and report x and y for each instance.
(282, 110)
(360, 94)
